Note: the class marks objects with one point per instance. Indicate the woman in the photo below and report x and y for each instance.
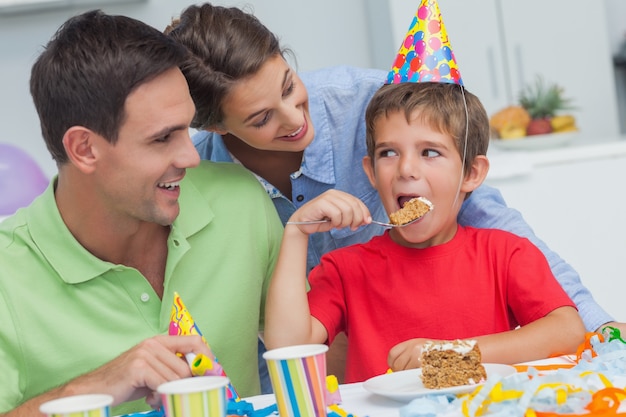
(305, 134)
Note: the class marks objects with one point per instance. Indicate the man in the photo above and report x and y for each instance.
(88, 270)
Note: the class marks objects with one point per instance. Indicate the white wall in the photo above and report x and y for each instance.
(616, 25)
(572, 200)
(616, 22)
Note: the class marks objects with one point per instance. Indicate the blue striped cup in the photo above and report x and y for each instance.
(200, 396)
(298, 375)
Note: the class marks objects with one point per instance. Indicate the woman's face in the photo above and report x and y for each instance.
(269, 110)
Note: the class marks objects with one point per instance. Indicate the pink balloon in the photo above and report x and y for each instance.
(408, 41)
(21, 179)
(422, 12)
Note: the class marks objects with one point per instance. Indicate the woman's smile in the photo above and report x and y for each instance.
(296, 135)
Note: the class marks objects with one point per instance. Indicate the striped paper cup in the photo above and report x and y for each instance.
(298, 375)
(200, 396)
(91, 405)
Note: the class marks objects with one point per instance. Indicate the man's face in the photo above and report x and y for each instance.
(138, 177)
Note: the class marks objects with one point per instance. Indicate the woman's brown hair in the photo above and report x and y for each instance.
(226, 44)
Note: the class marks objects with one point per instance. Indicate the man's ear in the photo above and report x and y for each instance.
(477, 174)
(81, 149)
(368, 167)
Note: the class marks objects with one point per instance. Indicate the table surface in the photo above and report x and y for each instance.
(355, 400)
(359, 402)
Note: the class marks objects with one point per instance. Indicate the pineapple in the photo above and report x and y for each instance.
(543, 102)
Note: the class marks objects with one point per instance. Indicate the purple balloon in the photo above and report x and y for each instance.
(21, 179)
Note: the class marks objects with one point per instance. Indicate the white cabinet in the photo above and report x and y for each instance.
(501, 45)
(572, 198)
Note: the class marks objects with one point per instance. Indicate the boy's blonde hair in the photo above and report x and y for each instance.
(441, 106)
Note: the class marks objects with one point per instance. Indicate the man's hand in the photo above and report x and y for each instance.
(139, 371)
(134, 374)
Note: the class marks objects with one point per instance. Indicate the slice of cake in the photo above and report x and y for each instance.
(451, 363)
(411, 210)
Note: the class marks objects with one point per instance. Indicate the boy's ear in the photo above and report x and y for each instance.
(369, 170)
(80, 147)
(477, 174)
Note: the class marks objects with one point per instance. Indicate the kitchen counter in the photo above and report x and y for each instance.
(507, 163)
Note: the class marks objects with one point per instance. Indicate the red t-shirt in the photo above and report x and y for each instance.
(483, 281)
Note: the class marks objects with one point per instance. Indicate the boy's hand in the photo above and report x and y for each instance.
(406, 355)
(340, 209)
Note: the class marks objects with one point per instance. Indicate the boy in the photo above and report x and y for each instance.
(433, 279)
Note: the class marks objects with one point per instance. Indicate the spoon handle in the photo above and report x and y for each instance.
(310, 222)
(373, 222)
(326, 220)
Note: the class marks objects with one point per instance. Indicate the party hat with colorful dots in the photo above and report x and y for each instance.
(183, 324)
(425, 54)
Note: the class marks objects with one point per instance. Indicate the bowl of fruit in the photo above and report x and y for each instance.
(541, 119)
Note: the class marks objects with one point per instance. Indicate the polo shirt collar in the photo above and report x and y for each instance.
(195, 210)
(54, 240)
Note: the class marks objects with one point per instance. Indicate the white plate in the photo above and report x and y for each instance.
(548, 141)
(407, 385)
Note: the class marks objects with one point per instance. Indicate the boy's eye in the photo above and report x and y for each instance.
(386, 153)
(430, 153)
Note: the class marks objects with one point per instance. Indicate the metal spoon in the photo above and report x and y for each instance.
(373, 222)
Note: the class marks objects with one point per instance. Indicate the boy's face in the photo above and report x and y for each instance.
(413, 160)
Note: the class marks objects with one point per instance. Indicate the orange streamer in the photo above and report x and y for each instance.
(604, 403)
(587, 345)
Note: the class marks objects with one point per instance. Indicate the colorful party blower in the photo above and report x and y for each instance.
(182, 324)
(425, 54)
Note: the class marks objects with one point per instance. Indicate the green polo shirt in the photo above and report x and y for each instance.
(64, 312)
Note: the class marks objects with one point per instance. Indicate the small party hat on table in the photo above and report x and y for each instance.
(425, 54)
(182, 324)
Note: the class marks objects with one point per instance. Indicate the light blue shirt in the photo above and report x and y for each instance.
(338, 97)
